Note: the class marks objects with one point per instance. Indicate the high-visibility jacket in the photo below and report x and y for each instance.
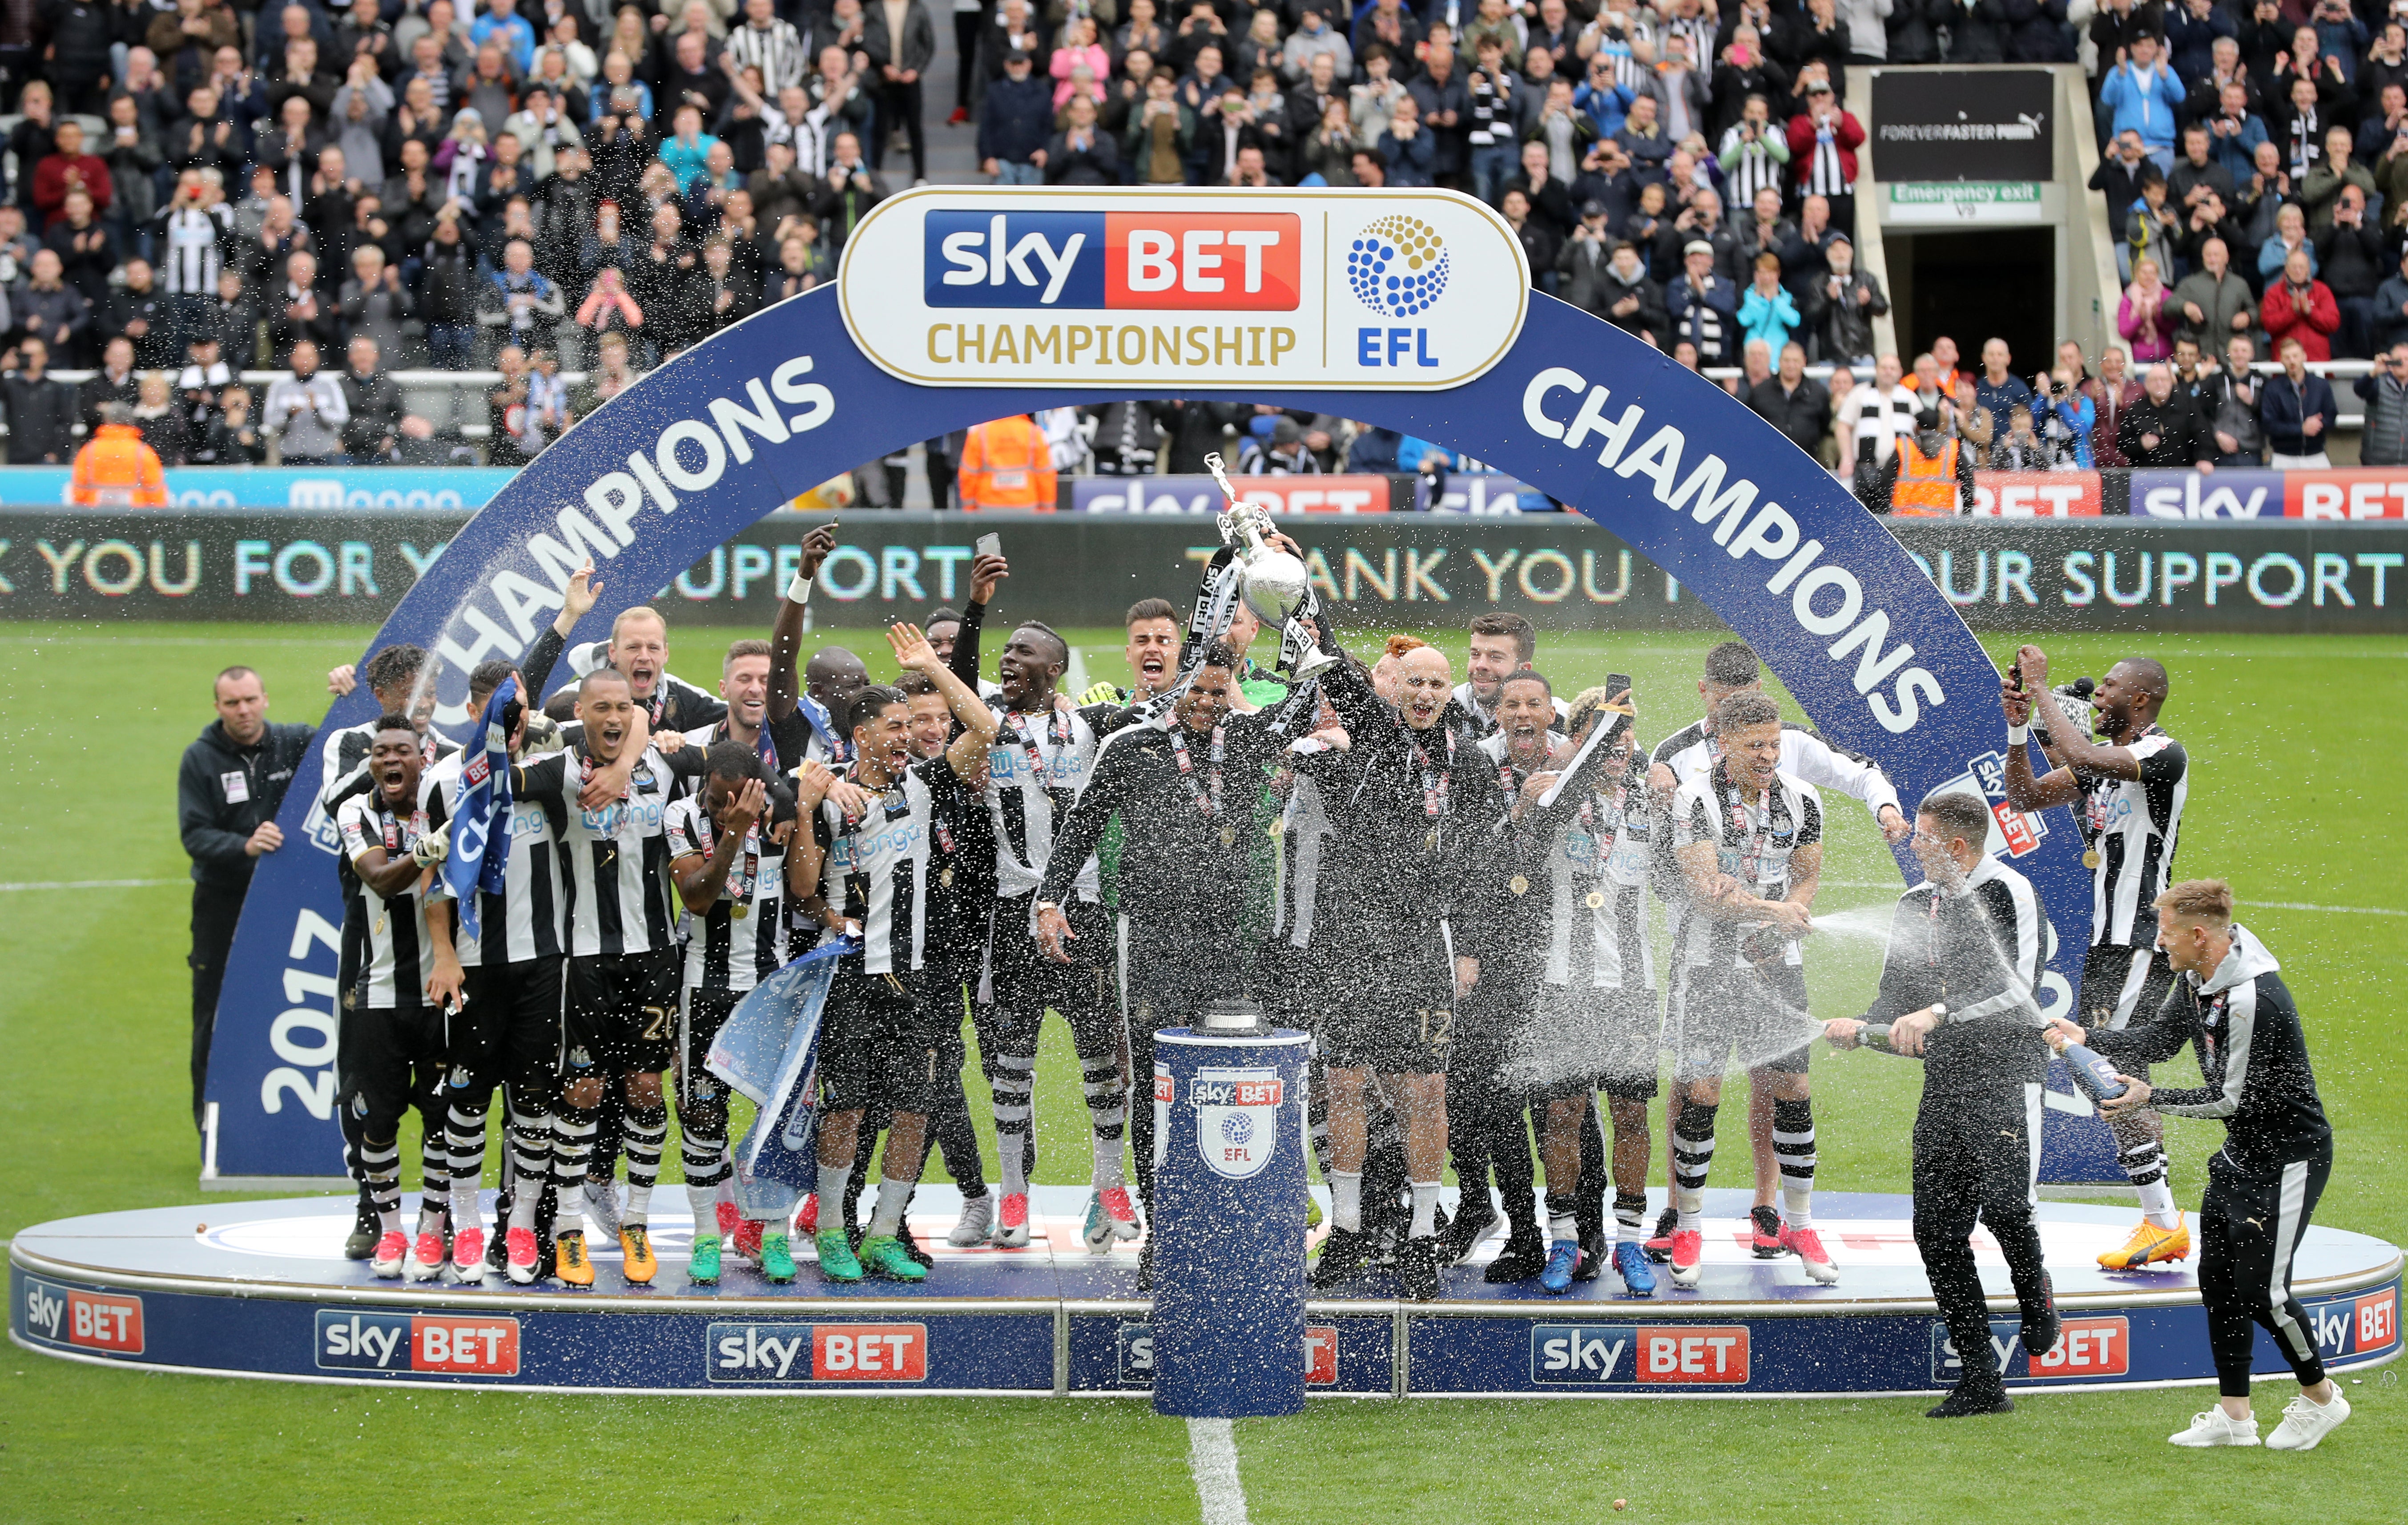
(1007, 465)
(116, 469)
(1927, 484)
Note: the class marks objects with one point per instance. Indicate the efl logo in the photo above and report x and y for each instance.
(88, 1320)
(869, 1352)
(1616, 1354)
(1135, 1352)
(1118, 261)
(438, 1344)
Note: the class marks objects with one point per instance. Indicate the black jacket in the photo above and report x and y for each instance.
(2183, 438)
(1982, 952)
(375, 403)
(1175, 860)
(215, 823)
(1383, 864)
(41, 419)
(1803, 415)
(2253, 1061)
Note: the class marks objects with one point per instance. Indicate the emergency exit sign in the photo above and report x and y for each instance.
(1963, 201)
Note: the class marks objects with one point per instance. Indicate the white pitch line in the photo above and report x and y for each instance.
(93, 883)
(1212, 1458)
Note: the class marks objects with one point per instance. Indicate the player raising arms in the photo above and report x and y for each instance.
(390, 1045)
(2129, 795)
(1413, 847)
(883, 1042)
(1749, 841)
(1042, 757)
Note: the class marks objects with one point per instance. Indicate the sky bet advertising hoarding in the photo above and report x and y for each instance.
(1408, 570)
(971, 286)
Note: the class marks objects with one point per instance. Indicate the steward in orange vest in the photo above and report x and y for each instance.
(115, 469)
(1007, 465)
(1927, 474)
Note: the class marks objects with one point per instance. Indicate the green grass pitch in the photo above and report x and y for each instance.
(2295, 741)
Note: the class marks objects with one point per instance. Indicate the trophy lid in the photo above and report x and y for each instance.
(1235, 1017)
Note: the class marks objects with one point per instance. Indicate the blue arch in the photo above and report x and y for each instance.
(785, 400)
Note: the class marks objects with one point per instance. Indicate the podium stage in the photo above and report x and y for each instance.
(261, 1290)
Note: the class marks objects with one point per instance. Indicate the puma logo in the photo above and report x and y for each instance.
(2253, 1223)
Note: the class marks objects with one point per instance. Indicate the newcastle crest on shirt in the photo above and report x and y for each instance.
(1237, 1119)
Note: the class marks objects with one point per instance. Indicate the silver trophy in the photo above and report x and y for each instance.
(1273, 583)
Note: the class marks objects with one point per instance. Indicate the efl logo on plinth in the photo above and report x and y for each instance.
(1237, 1119)
(1191, 290)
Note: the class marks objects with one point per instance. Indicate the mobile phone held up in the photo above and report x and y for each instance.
(990, 544)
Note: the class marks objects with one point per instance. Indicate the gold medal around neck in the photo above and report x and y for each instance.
(2090, 857)
(739, 910)
(1597, 899)
(946, 878)
(1519, 884)
(1279, 824)
(1228, 836)
(1430, 843)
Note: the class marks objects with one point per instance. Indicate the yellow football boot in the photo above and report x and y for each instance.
(636, 1249)
(570, 1262)
(2150, 1245)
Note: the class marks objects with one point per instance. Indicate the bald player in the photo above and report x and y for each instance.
(2127, 789)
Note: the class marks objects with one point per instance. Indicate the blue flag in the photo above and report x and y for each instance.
(768, 1051)
(840, 747)
(480, 822)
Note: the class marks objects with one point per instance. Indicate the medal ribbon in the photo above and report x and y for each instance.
(1209, 806)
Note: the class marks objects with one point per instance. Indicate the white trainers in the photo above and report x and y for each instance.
(978, 1217)
(2214, 1428)
(2305, 1422)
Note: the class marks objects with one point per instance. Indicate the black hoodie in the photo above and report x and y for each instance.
(225, 790)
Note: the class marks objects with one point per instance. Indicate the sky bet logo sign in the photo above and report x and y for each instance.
(749, 1352)
(1117, 262)
(2084, 1349)
(1622, 1355)
(1184, 289)
(427, 1344)
(105, 1321)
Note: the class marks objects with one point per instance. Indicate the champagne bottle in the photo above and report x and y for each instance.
(1875, 1035)
(2091, 1072)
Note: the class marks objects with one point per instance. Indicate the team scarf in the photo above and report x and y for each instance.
(479, 857)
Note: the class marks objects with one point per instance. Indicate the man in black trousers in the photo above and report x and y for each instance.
(1966, 948)
(227, 792)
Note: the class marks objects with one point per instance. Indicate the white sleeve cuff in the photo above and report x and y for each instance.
(798, 589)
(2018, 735)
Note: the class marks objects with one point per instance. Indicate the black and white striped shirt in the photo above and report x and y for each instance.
(1880, 417)
(2132, 826)
(1753, 841)
(528, 919)
(1823, 175)
(726, 953)
(192, 249)
(1754, 170)
(776, 51)
(876, 869)
(1036, 770)
(615, 857)
(1692, 751)
(385, 942)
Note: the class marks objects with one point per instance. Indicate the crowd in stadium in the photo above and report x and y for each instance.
(526, 188)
